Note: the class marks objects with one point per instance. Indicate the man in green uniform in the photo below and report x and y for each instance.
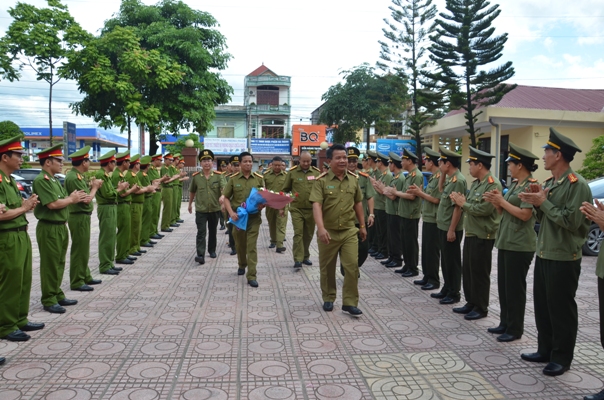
(277, 219)
(147, 221)
(382, 179)
(124, 201)
(51, 231)
(132, 176)
(154, 176)
(370, 168)
(481, 222)
(337, 198)
(234, 166)
(561, 236)
(167, 192)
(16, 259)
(206, 189)
(299, 181)
(179, 164)
(106, 200)
(223, 168)
(236, 192)
(430, 243)
(395, 242)
(450, 225)
(79, 221)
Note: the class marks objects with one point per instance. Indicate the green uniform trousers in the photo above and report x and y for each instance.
(556, 316)
(450, 262)
(206, 222)
(156, 204)
(122, 249)
(276, 226)
(15, 280)
(230, 228)
(177, 193)
(371, 238)
(381, 231)
(167, 197)
(136, 226)
(221, 219)
(395, 243)
(147, 224)
(409, 244)
(512, 268)
(245, 245)
(430, 253)
(79, 229)
(345, 244)
(601, 304)
(476, 272)
(107, 215)
(53, 240)
(304, 229)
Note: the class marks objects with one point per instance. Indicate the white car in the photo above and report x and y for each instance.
(595, 235)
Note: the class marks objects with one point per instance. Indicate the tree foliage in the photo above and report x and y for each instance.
(189, 38)
(364, 99)
(462, 44)
(593, 165)
(41, 38)
(181, 143)
(9, 129)
(7, 70)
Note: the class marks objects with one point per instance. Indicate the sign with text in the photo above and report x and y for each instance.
(270, 146)
(225, 146)
(307, 136)
(69, 138)
(395, 145)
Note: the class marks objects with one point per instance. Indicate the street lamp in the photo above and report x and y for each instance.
(189, 143)
(324, 145)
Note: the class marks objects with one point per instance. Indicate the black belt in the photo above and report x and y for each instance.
(53, 222)
(81, 212)
(19, 229)
(124, 202)
(108, 204)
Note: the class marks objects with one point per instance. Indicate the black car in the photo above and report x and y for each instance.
(29, 174)
(24, 187)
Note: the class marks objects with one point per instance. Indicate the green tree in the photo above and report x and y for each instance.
(593, 165)
(9, 129)
(403, 52)
(181, 143)
(40, 38)
(7, 71)
(463, 43)
(364, 99)
(188, 37)
(118, 77)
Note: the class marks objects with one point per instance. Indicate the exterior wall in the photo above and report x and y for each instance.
(238, 122)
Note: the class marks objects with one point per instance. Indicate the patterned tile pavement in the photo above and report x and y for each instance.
(168, 328)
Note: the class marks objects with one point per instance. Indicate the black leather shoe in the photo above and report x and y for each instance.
(17, 336)
(180, 221)
(167, 230)
(253, 283)
(136, 253)
(352, 311)
(297, 264)
(132, 258)
(597, 396)
(118, 269)
(152, 242)
(449, 300)
(233, 252)
(420, 282)
(400, 271)
(506, 337)
(174, 225)
(212, 254)
(240, 271)
(394, 264)
(280, 249)
(272, 246)
(463, 310)
(553, 369)
(147, 245)
(2, 360)
(328, 306)
(200, 259)
(124, 261)
(84, 288)
(474, 315)
(67, 302)
(386, 261)
(372, 253)
(429, 286)
(140, 251)
(380, 256)
(226, 232)
(498, 329)
(439, 295)
(410, 273)
(534, 357)
(55, 309)
(307, 262)
(222, 228)
(94, 282)
(32, 326)
(110, 271)
(157, 236)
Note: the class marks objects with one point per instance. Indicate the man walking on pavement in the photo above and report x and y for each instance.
(277, 219)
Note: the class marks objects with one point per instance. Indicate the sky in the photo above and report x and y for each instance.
(553, 43)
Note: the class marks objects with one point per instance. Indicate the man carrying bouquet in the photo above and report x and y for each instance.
(235, 193)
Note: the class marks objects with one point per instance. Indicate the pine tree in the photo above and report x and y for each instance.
(464, 43)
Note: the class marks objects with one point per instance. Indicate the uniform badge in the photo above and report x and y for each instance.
(572, 178)
(454, 179)
(79, 177)
(46, 177)
(491, 180)
(121, 175)
(310, 178)
(0, 178)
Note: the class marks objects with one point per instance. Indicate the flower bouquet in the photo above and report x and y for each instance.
(256, 198)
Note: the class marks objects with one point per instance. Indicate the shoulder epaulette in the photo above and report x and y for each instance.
(532, 180)
(572, 178)
(133, 174)
(551, 177)
(293, 168)
(258, 175)
(365, 174)
(235, 174)
(352, 173)
(46, 177)
(0, 178)
(413, 174)
(514, 180)
(491, 180)
(322, 175)
(437, 175)
(195, 173)
(454, 179)
(218, 172)
(315, 168)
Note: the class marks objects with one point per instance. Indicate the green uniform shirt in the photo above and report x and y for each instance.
(11, 198)
(338, 199)
(74, 180)
(144, 180)
(178, 182)
(238, 188)
(153, 174)
(49, 189)
(117, 177)
(207, 191)
(174, 171)
(563, 227)
(379, 201)
(429, 209)
(411, 209)
(600, 266)
(274, 181)
(132, 179)
(515, 234)
(166, 171)
(300, 183)
(397, 183)
(368, 192)
(481, 218)
(456, 183)
(106, 194)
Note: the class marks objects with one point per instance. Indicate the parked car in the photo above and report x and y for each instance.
(29, 174)
(22, 185)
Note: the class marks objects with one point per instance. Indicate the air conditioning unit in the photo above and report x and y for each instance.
(251, 92)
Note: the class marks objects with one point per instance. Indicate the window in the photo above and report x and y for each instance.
(268, 95)
(226, 131)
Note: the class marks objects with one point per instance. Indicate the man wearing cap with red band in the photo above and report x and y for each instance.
(124, 200)
(51, 231)
(16, 260)
(154, 176)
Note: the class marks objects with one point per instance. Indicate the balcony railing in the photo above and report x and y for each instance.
(267, 80)
(269, 109)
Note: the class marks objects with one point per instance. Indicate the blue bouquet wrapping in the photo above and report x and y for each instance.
(250, 206)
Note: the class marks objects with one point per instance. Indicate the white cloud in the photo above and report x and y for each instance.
(545, 61)
(573, 60)
(548, 43)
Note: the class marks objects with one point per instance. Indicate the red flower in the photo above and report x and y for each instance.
(281, 193)
(296, 194)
